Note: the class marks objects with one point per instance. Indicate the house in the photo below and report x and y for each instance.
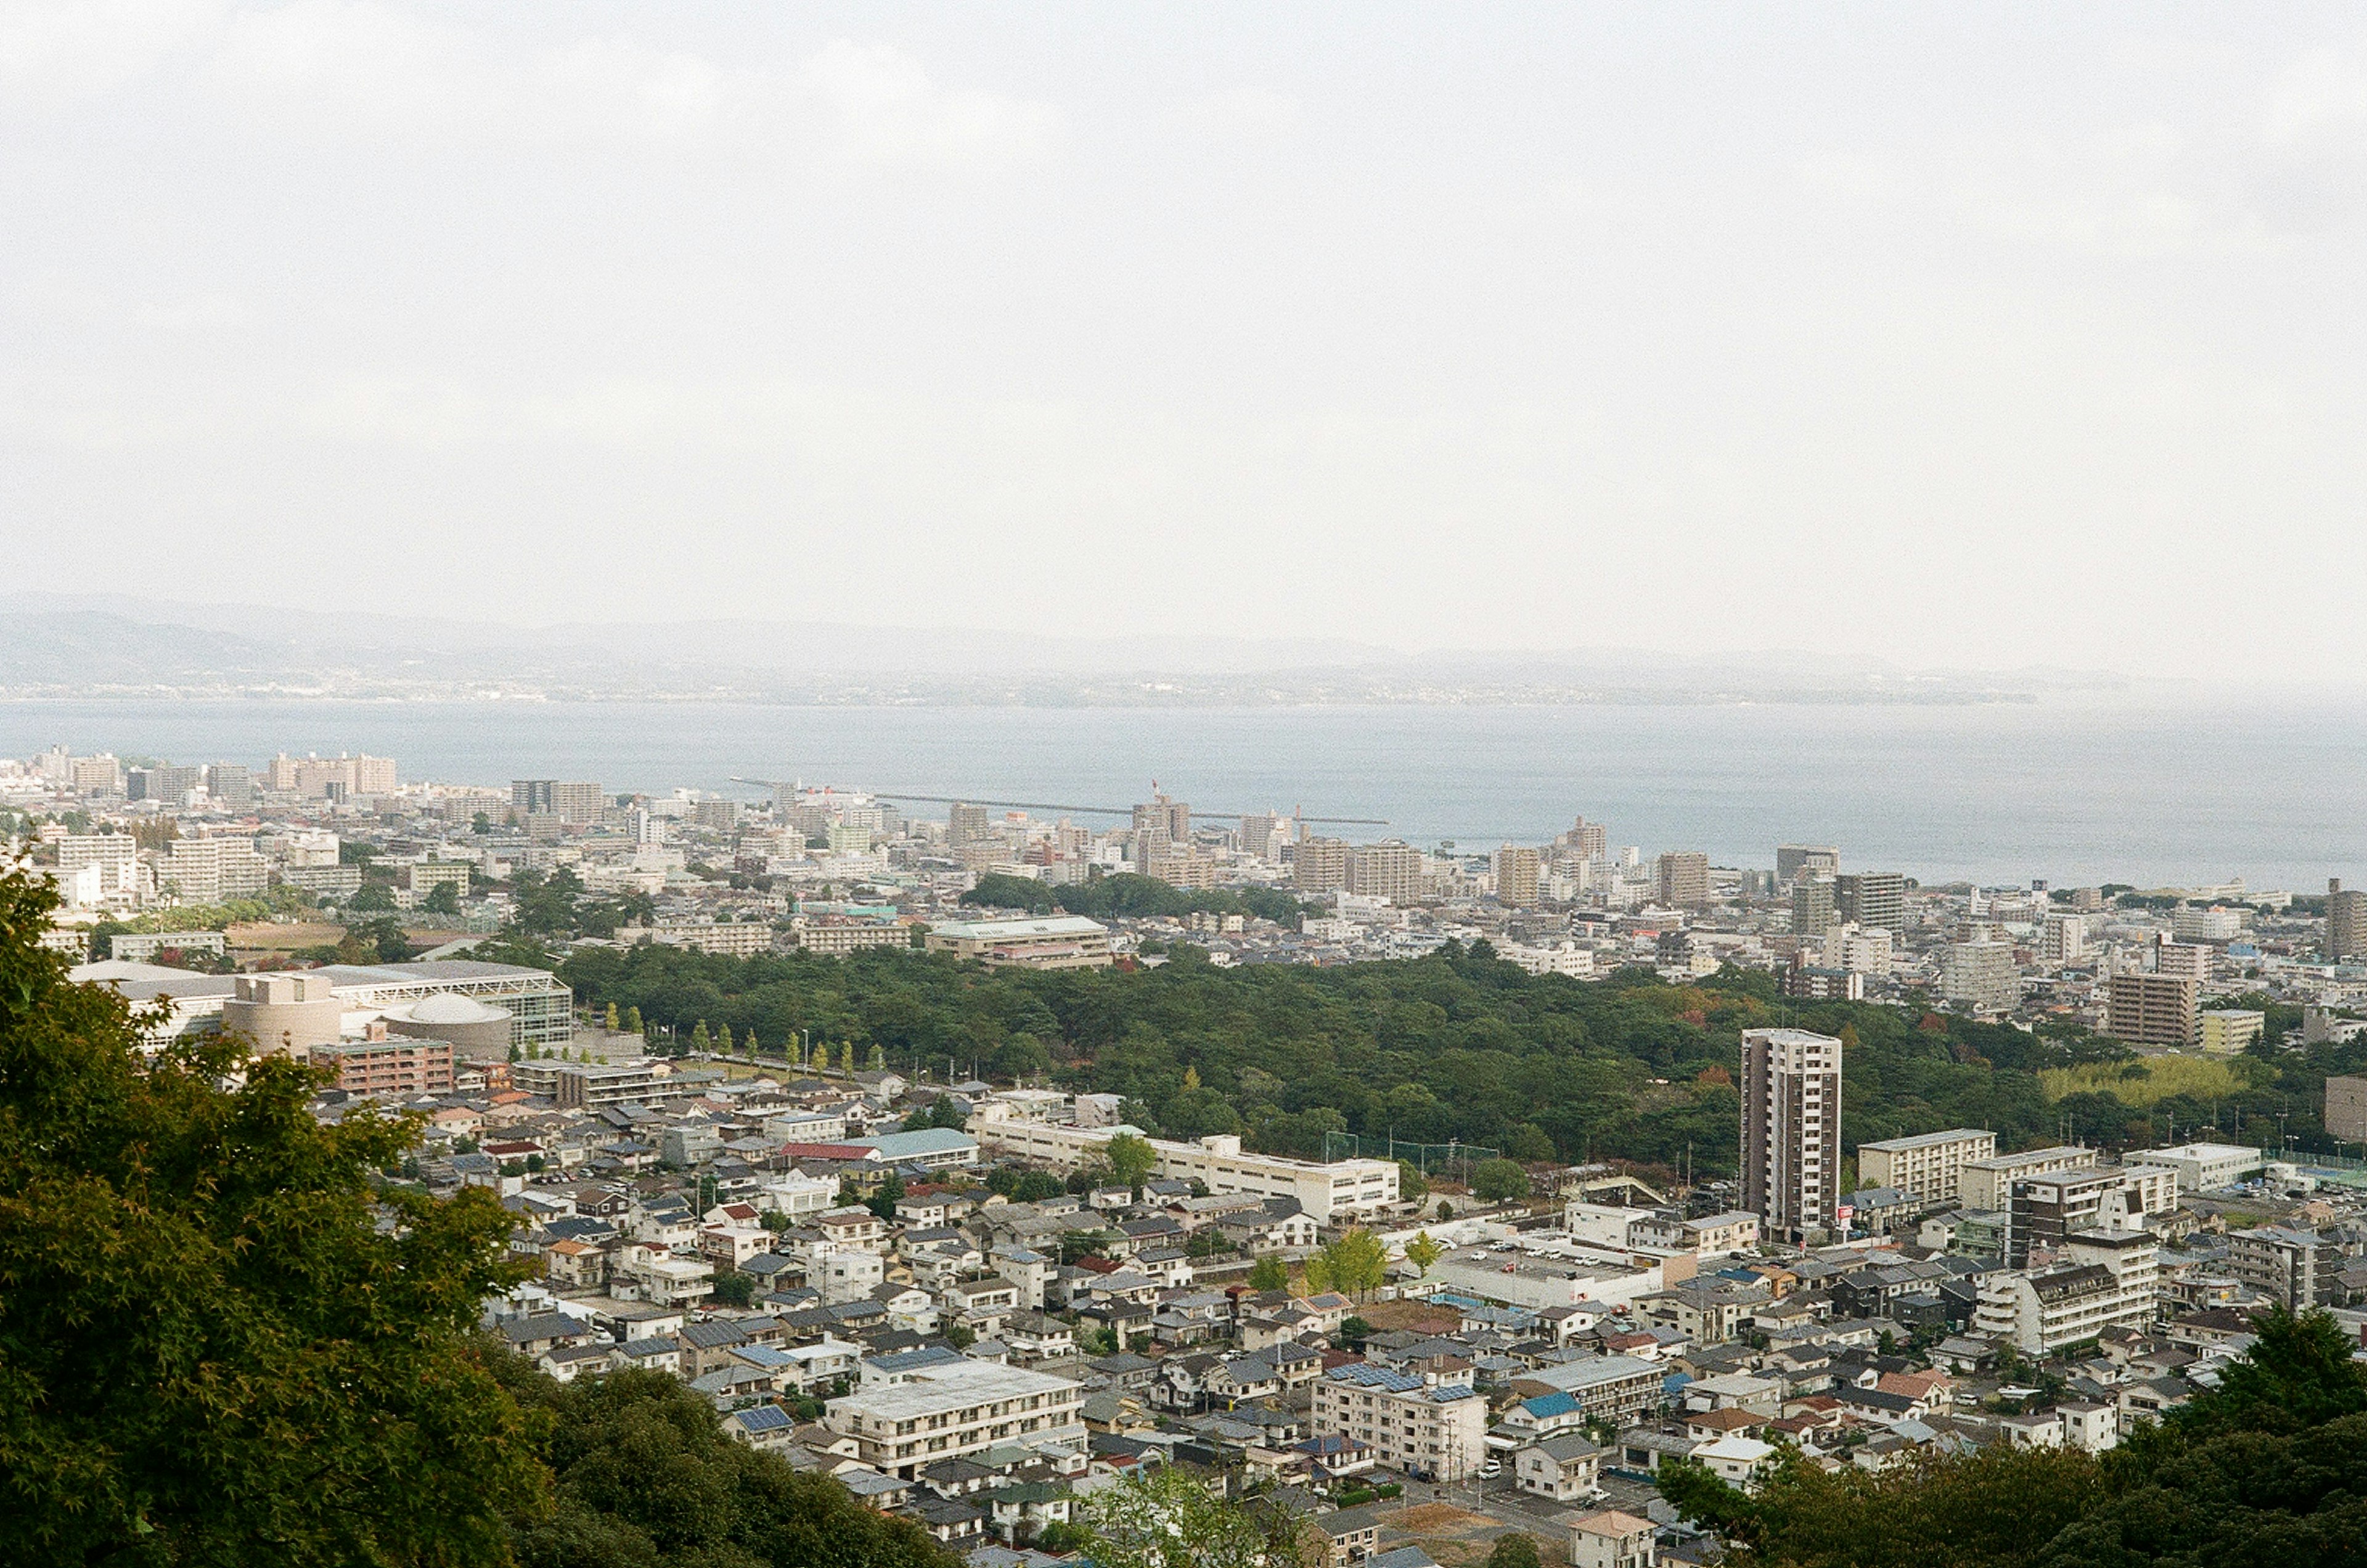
(1612, 1539)
(765, 1426)
(1351, 1535)
(1738, 1461)
(1564, 1466)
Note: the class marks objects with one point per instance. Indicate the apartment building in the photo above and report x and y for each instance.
(2345, 920)
(2230, 1031)
(1872, 898)
(2106, 1280)
(1980, 976)
(1323, 1190)
(2042, 1211)
(1432, 1430)
(1518, 869)
(959, 1407)
(592, 1086)
(1928, 1166)
(2153, 1009)
(1791, 860)
(836, 937)
(2298, 1268)
(1813, 910)
(2205, 1168)
(389, 1065)
(1390, 869)
(1680, 880)
(1320, 865)
(1791, 1129)
(1987, 1184)
(574, 801)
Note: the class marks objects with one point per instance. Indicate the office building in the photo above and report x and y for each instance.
(1433, 1430)
(2229, 1032)
(1518, 867)
(1872, 898)
(958, 1407)
(1791, 1129)
(1390, 869)
(1813, 910)
(1320, 865)
(2152, 1010)
(1980, 975)
(2204, 1167)
(573, 801)
(1680, 880)
(1059, 941)
(1928, 1166)
(1791, 860)
(2345, 920)
(2041, 1210)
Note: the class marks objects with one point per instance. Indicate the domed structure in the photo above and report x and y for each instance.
(478, 1031)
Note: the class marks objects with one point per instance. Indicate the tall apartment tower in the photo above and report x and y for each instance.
(1812, 905)
(1872, 898)
(1791, 1129)
(1390, 869)
(2153, 1009)
(967, 825)
(2345, 920)
(1320, 865)
(1791, 860)
(1517, 869)
(570, 800)
(1588, 840)
(1680, 880)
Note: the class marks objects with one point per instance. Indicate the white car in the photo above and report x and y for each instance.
(1491, 1469)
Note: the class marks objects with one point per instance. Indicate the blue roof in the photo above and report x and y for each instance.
(763, 1419)
(1363, 1375)
(1545, 1405)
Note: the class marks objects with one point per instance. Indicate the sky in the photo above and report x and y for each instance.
(1968, 336)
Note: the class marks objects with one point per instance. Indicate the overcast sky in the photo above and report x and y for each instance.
(1948, 336)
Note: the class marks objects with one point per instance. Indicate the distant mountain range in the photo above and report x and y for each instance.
(97, 646)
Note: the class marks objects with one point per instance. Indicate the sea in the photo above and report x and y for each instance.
(2074, 792)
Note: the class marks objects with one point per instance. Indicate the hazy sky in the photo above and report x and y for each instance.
(1968, 336)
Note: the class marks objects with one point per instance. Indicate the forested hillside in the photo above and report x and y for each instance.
(1458, 1045)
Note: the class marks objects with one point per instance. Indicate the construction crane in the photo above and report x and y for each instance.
(1058, 805)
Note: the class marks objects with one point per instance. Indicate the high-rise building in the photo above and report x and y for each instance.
(2345, 920)
(967, 825)
(1812, 905)
(1872, 898)
(2152, 1010)
(230, 784)
(1587, 841)
(2182, 958)
(102, 774)
(1264, 833)
(2066, 937)
(1791, 1129)
(1791, 860)
(163, 781)
(2041, 1210)
(716, 815)
(1320, 865)
(1390, 869)
(1981, 976)
(570, 800)
(1517, 869)
(2346, 1109)
(116, 856)
(1680, 880)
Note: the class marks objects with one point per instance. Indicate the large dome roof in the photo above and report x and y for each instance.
(452, 1009)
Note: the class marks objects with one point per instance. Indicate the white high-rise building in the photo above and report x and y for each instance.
(1791, 1129)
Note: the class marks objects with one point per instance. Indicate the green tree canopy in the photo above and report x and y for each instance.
(1131, 1159)
(1499, 1181)
(210, 1351)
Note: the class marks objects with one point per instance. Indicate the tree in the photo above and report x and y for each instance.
(723, 1038)
(846, 1059)
(1499, 1181)
(1131, 1159)
(774, 1221)
(1268, 1274)
(1412, 1186)
(442, 899)
(1168, 1518)
(645, 1476)
(1514, 1549)
(734, 1288)
(889, 1193)
(1356, 1264)
(610, 1022)
(210, 1349)
(1355, 1331)
(879, 1062)
(372, 898)
(699, 1039)
(633, 1020)
(483, 822)
(1423, 1252)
